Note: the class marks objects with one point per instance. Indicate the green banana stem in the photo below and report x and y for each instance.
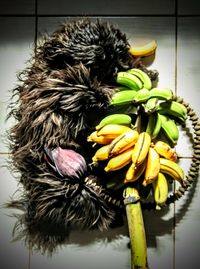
(136, 229)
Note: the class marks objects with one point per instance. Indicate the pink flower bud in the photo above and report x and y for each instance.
(67, 162)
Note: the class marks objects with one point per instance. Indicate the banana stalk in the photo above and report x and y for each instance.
(136, 229)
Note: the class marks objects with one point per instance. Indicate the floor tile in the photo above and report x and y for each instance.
(188, 8)
(106, 8)
(13, 255)
(17, 7)
(16, 47)
(187, 238)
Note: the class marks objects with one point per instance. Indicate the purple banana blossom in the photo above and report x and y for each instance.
(66, 162)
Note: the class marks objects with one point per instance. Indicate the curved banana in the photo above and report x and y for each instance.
(165, 150)
(160, 190)
(151, 105)
(153, 125)
(123, 97)
(103, 140)
(152, 167)
(141, 148)
(142, 76)
(144, 50)
(170, 128)
(119, 161)
(141, 96)
(172, 169)
(113, 130)
(123, 142)
(129, 80)
(121, 119)
(161, 93)
(102, 153)
(173, 108)
(133, 173)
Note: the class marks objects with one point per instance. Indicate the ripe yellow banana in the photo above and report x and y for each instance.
(113, 130)
(160, 190)
(152, 167)
(141, 148)
(119, 161)
(165, 150)
(172, 169)
(103, 140)
(144, 50)
(134, 173)
(102, 153)
(123, 142)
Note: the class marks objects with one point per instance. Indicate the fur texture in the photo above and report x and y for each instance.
(66, 88)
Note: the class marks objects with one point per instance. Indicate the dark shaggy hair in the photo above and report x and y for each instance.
(67, 87)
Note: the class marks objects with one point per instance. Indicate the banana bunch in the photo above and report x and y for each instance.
(150, 162)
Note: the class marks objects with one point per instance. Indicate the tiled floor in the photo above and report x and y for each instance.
(173, 234)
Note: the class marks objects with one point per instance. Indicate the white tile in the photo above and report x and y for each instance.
(13, 255)
(188, 8)
(16, 48)
(103, 7)
(17, 7)
(188, 78)
(187, 238)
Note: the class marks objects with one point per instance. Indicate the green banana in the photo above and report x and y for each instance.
(154, 125)
(123, 97)
(114, 119)
(161, 93)
(141, 96)
(150, 105)
(129, 80)
(142, 76)
(170, 128)
(172, 108)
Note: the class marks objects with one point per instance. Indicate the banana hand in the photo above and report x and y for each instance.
(129, 80)
(146, 81)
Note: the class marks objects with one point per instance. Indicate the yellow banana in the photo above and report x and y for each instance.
(141, 148)
(123, 142)
(134, 173)
(113, 130)
(165, 150)
(103, 140)
(172, 169)
(102, 153)
(152, 167)
(119, 161)
(144, 50)
(160, 187)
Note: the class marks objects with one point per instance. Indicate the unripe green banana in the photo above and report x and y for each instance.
(123, 97)
(173, 108)
(129, 80)
(142, 96)
(153, 125)
(142, 76)
(122, 119)
(170, 128)
(161, 93)
(150, 105)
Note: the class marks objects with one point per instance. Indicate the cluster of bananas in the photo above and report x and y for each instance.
(157, 103)
(122, 146)
(145, 157)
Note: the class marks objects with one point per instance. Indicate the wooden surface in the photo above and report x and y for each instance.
(172, 234)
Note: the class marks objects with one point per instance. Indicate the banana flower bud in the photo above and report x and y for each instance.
(66, 162)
